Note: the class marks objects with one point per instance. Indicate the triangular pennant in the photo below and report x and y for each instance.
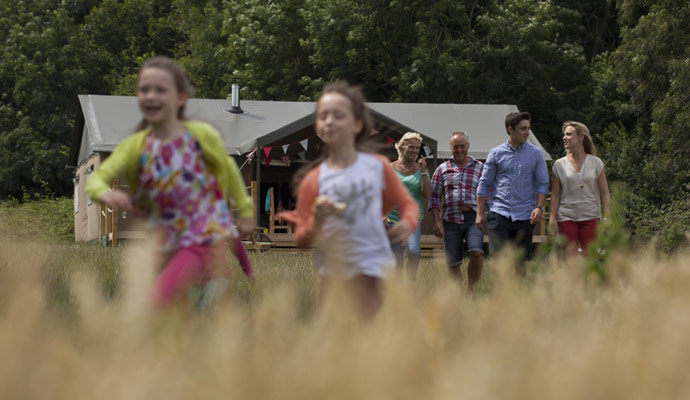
(304, 143)
(267, 149)
(267, 160)
(427, 150)
(286, 160)
(285, 147)
(390, 140)
(373, 132)
(303, 155)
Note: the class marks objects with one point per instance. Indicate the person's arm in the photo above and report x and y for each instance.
(484, 188)
(98, 184)
(426, 183)
(396, 195)
(537, 212)
(307, 224)
(436, 186)
(438, 224)
(541, 180)
(555, 203)
(479, 221)
(604, 193)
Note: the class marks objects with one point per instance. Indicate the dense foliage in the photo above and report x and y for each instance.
(621, 66)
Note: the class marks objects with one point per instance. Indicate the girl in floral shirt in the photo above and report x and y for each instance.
(181, 180)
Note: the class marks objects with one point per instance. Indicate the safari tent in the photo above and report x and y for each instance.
(269, 140)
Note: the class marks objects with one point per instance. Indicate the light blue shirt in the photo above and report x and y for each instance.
(516, 176)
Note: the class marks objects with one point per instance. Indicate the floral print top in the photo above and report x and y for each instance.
(180, 195)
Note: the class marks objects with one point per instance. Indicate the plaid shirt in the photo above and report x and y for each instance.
(457, 186)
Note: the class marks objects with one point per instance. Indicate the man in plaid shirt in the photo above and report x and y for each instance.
(454, 190)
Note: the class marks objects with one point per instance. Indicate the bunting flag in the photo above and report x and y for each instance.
(373, 132)
(427, 150)
(303, 155)
(304, 143)
(267, 150)
(285, 148)
(390, 140)
(286, 160)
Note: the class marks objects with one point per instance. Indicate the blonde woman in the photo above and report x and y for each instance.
(579, 189)
(412, 172)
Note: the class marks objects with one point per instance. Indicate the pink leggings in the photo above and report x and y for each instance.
(196, 265)
(186, 267)
(582, 232)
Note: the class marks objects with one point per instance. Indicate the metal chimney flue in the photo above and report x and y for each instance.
(235, 101)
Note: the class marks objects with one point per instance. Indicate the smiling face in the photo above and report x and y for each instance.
(459, 147)
(520, 133)
(571, 139)
(159, 99)
(336, 124)
(411, 150)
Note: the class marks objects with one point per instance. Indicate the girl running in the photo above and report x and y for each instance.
(181, 180)
(342, 199)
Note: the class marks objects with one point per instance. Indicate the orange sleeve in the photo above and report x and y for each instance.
(305, 227)
(396, 195)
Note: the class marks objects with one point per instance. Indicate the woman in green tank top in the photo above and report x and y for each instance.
(411, 170)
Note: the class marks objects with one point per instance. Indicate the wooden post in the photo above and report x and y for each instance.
(115, 213)
(254, 192)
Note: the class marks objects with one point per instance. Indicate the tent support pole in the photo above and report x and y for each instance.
(258, 185)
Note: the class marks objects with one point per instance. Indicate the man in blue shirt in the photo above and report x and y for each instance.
(516, 170)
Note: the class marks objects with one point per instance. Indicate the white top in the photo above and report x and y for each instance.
(580, 199)
(360, 227)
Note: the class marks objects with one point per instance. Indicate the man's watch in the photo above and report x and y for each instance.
(541, 208)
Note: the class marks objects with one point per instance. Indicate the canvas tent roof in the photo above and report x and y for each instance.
(484, 123)
(110, 119)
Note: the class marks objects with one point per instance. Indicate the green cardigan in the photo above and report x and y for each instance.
(124, 160)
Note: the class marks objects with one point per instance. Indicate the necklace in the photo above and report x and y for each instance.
(406, 170)
(578, 174)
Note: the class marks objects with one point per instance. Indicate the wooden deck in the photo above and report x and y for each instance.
(431, 246)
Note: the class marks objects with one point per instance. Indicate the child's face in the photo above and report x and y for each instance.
(158, 97)
(336, 124)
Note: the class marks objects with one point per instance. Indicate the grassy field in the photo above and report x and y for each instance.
(77, 323)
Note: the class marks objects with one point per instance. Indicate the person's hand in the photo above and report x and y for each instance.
(117, 199)
(553, 228)
(422, 164)
(438, 229)
(479, 221)
(400, 232)
(536, 216)
(245, 226)
(324, 207)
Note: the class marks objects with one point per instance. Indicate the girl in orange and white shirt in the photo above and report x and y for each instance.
(341, 200)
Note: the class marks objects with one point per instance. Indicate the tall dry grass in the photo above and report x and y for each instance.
(562, 335)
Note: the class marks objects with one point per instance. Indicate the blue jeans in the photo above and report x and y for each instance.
(503, 230)
(454, 236)
(413, 249)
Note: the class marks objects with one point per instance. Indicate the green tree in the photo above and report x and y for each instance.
(44, 63)
(646, 142)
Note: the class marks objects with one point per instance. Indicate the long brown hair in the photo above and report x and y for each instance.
(182, 82)
(582, 131)
(361, 113)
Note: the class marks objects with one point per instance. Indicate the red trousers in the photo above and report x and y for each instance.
(580, 232)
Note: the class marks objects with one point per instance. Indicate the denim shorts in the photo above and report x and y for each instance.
(413, 247)
(454, 236)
